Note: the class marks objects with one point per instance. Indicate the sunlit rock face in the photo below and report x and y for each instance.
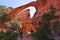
(24, 17)
(41, 6)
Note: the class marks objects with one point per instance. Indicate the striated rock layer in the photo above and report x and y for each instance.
(41, 6)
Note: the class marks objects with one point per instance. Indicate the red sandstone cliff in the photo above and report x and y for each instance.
(41, 7)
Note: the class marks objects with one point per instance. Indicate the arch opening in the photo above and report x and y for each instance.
(32, 11)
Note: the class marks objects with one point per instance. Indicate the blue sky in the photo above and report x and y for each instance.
(16, 3)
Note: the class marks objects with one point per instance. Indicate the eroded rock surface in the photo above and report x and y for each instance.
(41, 6)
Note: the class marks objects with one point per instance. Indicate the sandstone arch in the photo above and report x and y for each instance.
(18, 9)
(40, 6)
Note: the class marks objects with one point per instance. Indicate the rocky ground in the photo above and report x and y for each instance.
(25, 37)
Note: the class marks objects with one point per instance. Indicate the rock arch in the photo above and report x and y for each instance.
(40, 6)
(18, 9)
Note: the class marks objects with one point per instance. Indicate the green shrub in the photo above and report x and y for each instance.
(8, 35)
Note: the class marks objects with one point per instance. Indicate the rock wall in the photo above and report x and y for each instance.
(41, 6)
(24, 17)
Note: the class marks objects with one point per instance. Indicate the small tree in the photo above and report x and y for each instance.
(43, 33)
(8, 35)
(4, 14)
(56, 27)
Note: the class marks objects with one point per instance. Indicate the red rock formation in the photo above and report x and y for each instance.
(24, 17)
(41, 7)
(19, 9)
(45, 8)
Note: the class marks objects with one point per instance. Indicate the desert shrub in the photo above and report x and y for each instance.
(8, 35)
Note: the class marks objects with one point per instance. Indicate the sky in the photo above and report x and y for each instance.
(17, 3)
